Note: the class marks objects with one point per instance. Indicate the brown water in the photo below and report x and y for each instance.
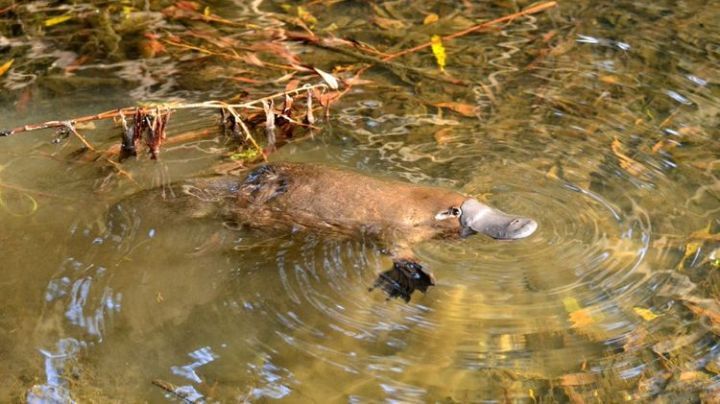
(599, 120)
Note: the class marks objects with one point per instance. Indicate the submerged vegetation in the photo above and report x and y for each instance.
(616, 102)
(108, 32)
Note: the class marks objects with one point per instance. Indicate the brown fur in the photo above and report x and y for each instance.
(346, 202)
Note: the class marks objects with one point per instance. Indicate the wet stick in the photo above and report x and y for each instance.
(116, 113)
(69, 126)
(486, 25)
(396, 68)
(172, 389)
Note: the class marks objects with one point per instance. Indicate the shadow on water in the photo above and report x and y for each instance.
(598, 120)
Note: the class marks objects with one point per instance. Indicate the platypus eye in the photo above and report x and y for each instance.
(448, 213)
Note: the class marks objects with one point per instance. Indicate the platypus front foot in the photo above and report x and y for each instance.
(403, 279)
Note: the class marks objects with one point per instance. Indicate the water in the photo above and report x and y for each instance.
(598, 120)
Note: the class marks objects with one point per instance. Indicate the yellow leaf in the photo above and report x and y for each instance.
(6, 66)
(248, 154)
(57, 20)
(553, 173)
(439, 51)
(306, 16)
(579, 317)
(571, 304)
(206, 12)
(691, 248)
(646, 314)
(431, 18)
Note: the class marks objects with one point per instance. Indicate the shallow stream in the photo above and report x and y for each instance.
(598, 119)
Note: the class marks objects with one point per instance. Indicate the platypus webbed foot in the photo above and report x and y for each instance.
(403, 279)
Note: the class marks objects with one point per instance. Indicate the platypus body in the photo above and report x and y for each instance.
(321, 198)
(347, 202)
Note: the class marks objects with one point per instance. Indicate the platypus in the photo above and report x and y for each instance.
(327, 199)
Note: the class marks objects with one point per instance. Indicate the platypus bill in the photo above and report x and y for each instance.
(398, 214)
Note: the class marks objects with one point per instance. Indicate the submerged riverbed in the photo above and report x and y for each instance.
(598, 119)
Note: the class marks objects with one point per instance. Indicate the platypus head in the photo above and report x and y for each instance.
(476, 217)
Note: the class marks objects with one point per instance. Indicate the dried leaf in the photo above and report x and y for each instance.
(633, 167)
(711, 313)
(577, 379)
(460, 108)
(581, 318)
(609, 79)
(646, 314)
(86, 125)
(150, 46)
(553, 173)
(692, 376)
(269, 108)
(563, 47)
(252, 59)
(292, 84)
(328, 78)
(691, 131)
(705, 235)
(549, 35)
(665, 145)
(187, 5)
(6, 66)
(280, 50)
(443, 136)
(309, 117)
(57, 20)
(439, 51)
(388, 23)
(356, 81)
(431, 19)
